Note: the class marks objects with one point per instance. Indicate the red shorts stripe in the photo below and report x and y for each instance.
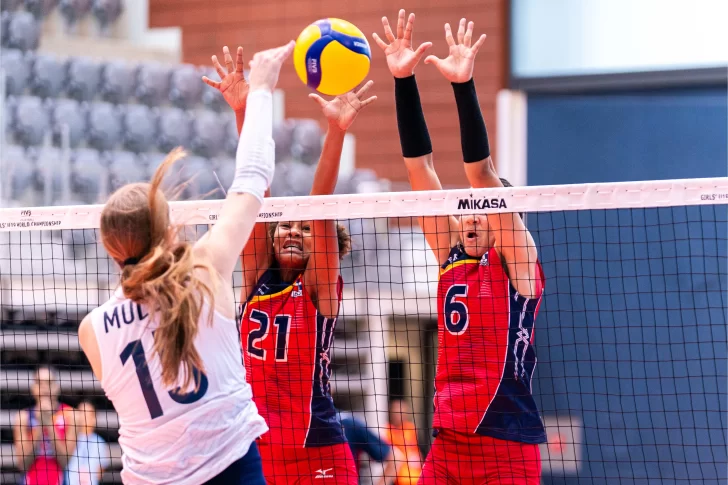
(458, 459)
(303, 466)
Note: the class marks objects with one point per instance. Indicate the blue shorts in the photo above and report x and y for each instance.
(248, 470)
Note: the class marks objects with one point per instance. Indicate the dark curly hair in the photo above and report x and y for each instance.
(341, 232)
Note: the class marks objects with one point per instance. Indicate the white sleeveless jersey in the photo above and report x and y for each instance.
(169, 436)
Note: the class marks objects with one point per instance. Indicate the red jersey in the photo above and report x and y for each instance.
(287, 349)
(45, 469)
(486, 356)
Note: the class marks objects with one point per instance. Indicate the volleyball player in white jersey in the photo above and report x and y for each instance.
(165, 347)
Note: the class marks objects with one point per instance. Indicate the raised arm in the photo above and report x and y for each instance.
(440, 232)
(255, 257)
(254, 166)
(322, 271)
(513, 241)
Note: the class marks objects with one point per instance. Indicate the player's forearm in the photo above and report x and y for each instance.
(414, 136)
(474, 142)
(327, 170)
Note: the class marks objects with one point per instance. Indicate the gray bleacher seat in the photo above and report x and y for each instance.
(118, 80)
(74, 10)
(174, 129)
(153, 84)
(230, 128)
(106, 12)
(140, 127)
(84, 78)
(212, 98)
(23, 31)
(124, 168)
(307, 141)
(4, 24)
(48, 77)
(30, 120)
(49, 172)
(90, 176)
(40, 8)
(224, 168)
(16, 65)
(68, 112)
(151, 161)
(283, 137)
(186, 86)
(10, 5)
(208, 133)
(21, 168)
(105, 126)
(292, 178)
(197, 173)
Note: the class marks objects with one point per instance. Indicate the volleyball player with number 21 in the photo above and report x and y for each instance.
(165, 346)
(486, 422)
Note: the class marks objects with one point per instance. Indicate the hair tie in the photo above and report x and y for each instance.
(130, 261)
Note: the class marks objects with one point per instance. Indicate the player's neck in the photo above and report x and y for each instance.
(289, 275)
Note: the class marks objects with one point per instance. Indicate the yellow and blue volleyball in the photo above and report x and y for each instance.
(332, 56)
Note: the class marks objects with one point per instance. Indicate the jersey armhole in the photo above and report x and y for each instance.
(92, 320)
(530, 304)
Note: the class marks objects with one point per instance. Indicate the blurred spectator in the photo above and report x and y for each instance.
(92, 454)
(363, 441)
(403, 436)
(44, 435)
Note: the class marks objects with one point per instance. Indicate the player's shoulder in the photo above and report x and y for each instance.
(456, 257)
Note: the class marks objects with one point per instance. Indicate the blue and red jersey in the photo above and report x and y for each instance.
(287, 349)
(486, 355)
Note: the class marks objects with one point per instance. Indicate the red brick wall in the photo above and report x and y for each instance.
(207, 26)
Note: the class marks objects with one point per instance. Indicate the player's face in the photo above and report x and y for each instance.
(475, 235)
(292, 244)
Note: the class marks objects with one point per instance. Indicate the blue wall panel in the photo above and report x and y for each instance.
(631, 336)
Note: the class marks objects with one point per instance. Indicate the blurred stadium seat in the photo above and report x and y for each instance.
(72, 114)
(105, 126)
(232, 136)
(17, 66)
(224, 168)
(185, 86)
(197, 173)
(23, 31)
(30, 120)
(118, 80)
(292, 178)
(4, 23)
(90, 176)
(124, 167)
(283, 137)
(84, 78)
(48, 76)
(306, 146)
(153, 84)
(208, 133)
(49, 172)
(151, 161)
(40, 8)
(22, 173)
(10, 5)
(175, 129)
(106, 12)
(74, 10)
(140, 128)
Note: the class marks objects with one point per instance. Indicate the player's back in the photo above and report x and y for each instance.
(173, 435)
(287, 346)
(486, 356)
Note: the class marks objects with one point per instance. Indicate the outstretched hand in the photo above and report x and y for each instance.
(457, 67)
(266, 66)
(232, 83)
(342, 110)
(401, 58)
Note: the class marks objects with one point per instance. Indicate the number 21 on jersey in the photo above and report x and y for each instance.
(282, 323)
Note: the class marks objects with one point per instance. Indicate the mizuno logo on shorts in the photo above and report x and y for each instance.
(324, 473)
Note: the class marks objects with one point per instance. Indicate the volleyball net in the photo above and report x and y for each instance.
(631, 334)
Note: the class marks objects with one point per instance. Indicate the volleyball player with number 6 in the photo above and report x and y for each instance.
(486, 421)
(165, 346)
